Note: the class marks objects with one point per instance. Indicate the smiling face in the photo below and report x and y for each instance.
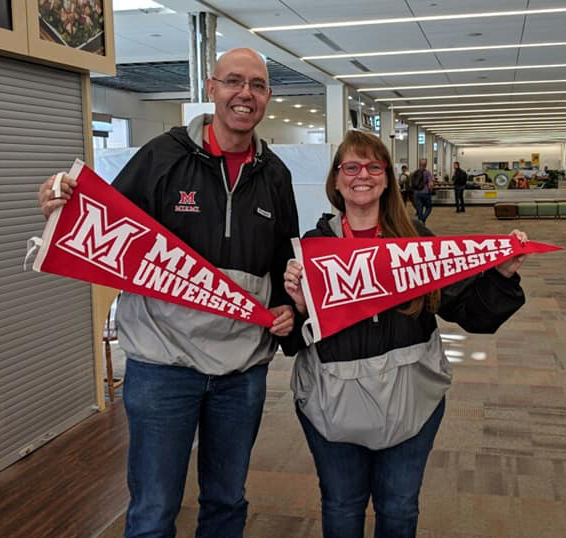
(238, 111)
(363, 190)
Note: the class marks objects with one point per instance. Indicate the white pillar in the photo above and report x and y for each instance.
(448, 159)
(429, 150)
(413, 143)
(336, 112)
(439, 156)
(387, 122)
(563, 156)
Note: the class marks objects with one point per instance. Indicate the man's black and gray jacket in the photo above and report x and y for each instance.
(245, 232)
(377, 382)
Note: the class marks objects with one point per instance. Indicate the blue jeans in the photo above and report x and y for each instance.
(459, 197)
(348, 474)
(164, 404)
(423, 201)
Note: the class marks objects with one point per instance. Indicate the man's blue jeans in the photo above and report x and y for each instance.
(423, 201)
(348, 474)
(164, 404)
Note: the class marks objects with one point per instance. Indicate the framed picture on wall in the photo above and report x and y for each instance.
(78, 33)
(13, 27)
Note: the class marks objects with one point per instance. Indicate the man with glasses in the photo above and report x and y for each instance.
(218, 187)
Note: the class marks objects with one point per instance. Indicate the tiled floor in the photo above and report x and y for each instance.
(498, 469)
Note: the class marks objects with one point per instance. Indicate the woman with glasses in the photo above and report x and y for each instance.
(371, 397)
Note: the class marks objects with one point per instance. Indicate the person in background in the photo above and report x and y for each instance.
(459, 178)
(370, 398)
(405, 187)
(422, 184)
(187, 367)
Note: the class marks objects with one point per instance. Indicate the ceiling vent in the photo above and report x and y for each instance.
(360, 66)
(328, 42)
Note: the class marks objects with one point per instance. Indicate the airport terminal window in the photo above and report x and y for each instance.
(117, 136)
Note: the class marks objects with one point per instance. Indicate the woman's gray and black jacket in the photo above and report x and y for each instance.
(244, 232)
(377, 382)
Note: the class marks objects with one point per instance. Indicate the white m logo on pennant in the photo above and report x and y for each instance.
(351, 282)
(96, 242)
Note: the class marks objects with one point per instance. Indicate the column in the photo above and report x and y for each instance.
(336, 112)
(202, 53)
(439, 156)
(413, 146)
(387, 119)
(429, 150)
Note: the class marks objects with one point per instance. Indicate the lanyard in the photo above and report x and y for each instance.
(217, 151)
(348, 231)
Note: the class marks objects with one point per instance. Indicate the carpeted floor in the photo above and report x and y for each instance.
(498, 469)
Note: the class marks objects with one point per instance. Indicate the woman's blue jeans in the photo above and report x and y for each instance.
(348, 474)
(164, 404)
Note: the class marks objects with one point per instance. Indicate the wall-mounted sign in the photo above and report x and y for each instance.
(78, 24)
(77, 33)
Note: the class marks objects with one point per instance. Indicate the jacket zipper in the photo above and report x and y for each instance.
(229, 194)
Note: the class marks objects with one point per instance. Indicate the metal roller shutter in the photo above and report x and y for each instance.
(47, 379)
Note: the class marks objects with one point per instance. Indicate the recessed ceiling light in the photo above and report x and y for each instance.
(311, 125)
(131, 5)
(397, 20)
(458, 85)
(432, 51)
(286, 120)
(299, 123)
(455, 70)
(297, 105)
(463, 96)
(350, 97)
(279, 99)
(479, 103)
(313, 110)
(271, 117)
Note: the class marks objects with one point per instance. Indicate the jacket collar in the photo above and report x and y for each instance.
(195, 128)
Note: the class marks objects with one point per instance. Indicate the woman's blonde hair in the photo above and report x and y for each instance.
(392, 213)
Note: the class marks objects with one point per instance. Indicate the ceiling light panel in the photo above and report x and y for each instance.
(488, 84)
(482, 103)
(402, 20)
(426, 72)
(478, 111)
(463, 96)
(451, 50)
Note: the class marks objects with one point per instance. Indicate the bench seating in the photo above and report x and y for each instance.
(534, 209)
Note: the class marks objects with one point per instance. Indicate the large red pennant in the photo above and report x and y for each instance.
(348, 280)
(101, 237)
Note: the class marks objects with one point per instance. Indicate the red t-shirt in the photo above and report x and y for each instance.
(234, 161)
(368, 234)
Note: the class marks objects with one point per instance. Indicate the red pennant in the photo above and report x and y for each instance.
(348, 280)
(101, 237)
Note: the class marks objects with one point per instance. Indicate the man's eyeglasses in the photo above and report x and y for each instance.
(353, 168)
(257, 85)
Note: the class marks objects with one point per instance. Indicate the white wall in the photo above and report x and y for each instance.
(148, 118)
(277, 132)
(471, 158)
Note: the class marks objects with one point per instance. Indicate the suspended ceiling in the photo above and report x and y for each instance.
(515, 71)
